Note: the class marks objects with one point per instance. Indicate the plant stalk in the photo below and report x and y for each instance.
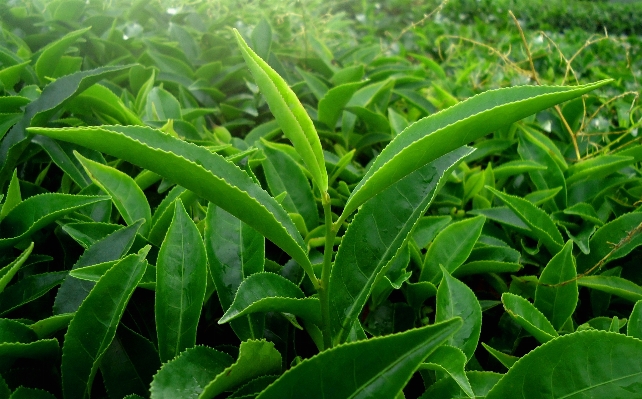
(330, 234)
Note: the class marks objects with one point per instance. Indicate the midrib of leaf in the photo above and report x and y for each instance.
(241, 256)
(180, 313)
(104, 339)
(390, 366)
(599, 385)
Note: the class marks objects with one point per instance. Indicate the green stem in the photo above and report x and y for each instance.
(330, 234)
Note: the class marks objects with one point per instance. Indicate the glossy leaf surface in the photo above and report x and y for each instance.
(440, 133)
(234, 251)
(124, 192)
(613, 285)
(536, 219)
(556, 294)
(198, 170)
(455, 299)
(181, 272)
(94, 324)
(52, 98)
(268, 292)
(375, 235)
(288, 111)
(256, 358)
(595, 364)
(37, 212)
(452, 361)
(189, 373)
(386, 364)
(451, 248)
(527, 316)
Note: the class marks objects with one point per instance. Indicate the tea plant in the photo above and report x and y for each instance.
(202, 217)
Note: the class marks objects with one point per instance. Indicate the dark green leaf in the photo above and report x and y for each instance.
(256, 358)
(455, 299)
(595, 364)
(181, 272)
(376, 234)
(384, 366)
(188, 374)
(527, 316)
(93, 327)
(234, 251)
(269, 292)
(556, 294)
(451, 248)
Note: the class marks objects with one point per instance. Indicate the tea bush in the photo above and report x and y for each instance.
(307, 199)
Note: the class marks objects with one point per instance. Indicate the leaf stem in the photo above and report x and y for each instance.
(330, 234)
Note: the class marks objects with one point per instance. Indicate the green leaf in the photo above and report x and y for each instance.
(110, 248)
(93, 327)
(100, 101)
(283, 174)
(427, 229)
(331, 105)
(62, 155)
(42, 349)
(38, 211)
(480, 381)
(256, 358)
(444, 131)
(288, 111)
(315, 84)
(128, 198)
(262, 39)
(269, 292)
(29, 289)
(622, 232)
(87, 233)
(31, 393)
(451, 248)
(181, 272)
(53, 97)
(556, 294)
(14, 197)
(634, 327)
(504, 216)
(234, 251)
(597, 168)
(490, 259)
(378, 367)
(513, 168)
(129, 364)
(505, 359)
(206, 174)
(161, 105)
(614, 285)
(5, 392)
(455, 299)
(452, 361)
(537, 220)
(10, 270)
(51, 54)
(163, 214)
(252, 389)
(376, 234)
(188, 374)
(532, 149)
(50, 325)
(11, 75)
(527, 316)
(595, 364)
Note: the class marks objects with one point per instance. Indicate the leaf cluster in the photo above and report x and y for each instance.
(194, 211)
